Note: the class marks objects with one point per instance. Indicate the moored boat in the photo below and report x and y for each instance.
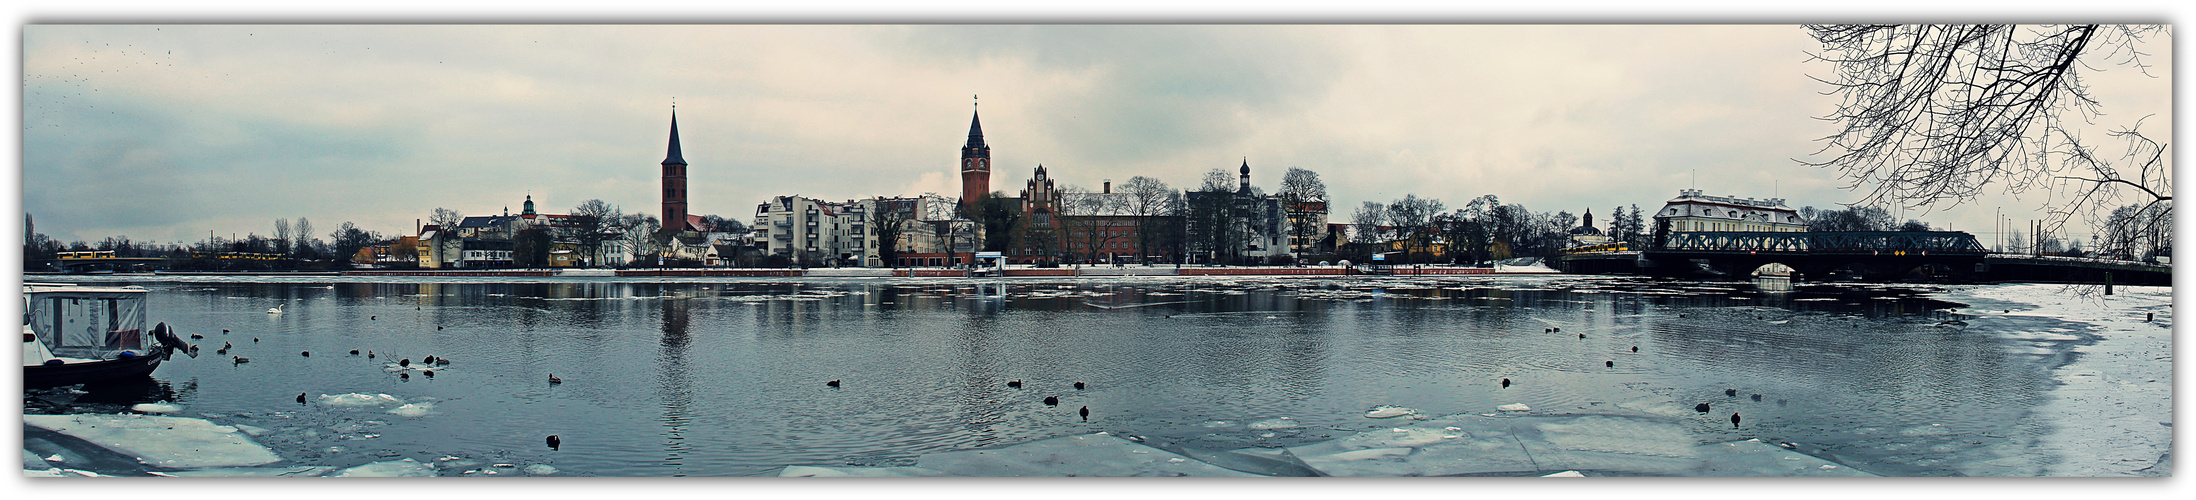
(87, 334)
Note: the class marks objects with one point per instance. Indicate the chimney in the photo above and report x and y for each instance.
(415, 226)
(1109, 186)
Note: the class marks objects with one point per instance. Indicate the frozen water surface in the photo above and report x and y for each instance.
(1290, 376)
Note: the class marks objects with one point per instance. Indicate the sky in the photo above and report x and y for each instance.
(167, 133)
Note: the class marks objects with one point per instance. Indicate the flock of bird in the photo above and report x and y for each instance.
(1012, 384)
(1702, 407)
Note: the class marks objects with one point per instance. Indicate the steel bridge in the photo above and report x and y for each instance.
(1870, 243)
(1871, 256)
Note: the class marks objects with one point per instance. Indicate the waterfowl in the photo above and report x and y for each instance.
(553, 380)
(406, 362)
(1757, 397)
(300, 398)
(554, 442)
(1078, 386)
(1505, 383)
(833, 383)
(1014, 384)
(1052, 401)
(242, 360)
(1610, 363)
(1703, 407)
(305, 353)
(1734, 420)
(1731, 392)
(195, 336)
(429, 360)
(277, 309)
(1086, 413)
(354, 352)
(1635, 348)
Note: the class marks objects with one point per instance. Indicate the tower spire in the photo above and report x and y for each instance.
(673, 157)
(976, 131)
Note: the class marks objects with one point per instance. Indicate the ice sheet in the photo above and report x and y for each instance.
(394, 468)
(1536, 445)
(814, 471)
(175, 442)
(1099, 455)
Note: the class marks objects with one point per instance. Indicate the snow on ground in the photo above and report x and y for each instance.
(2112, 415)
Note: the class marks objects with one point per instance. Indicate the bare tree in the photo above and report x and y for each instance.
(2132, 234)
(1367, 220)
(1148, 200)
(1300, 190)
(304, 246)
(446, 218)
(1412, 218)
(1936, 113)
(593, 222)
(640, 236)
(1217, 181)
(282, 236)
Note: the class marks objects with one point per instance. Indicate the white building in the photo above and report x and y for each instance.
(1692, 211)
(817, 233)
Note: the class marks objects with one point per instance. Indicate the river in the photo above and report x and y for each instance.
(715, 377)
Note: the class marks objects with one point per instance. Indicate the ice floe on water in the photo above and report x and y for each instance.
(358, 400)
(1390, 412)
(415, 410)
(394, 468)
(1458, 445)
(175, 442)
(161, 408)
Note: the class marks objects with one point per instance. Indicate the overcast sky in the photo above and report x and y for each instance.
(166, 132)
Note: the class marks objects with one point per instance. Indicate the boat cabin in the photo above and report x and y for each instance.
(83, 323)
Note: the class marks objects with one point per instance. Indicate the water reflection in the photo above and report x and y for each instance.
(673, 381)
(693, 377)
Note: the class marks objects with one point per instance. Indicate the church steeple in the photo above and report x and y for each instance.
(673, 157)
(975, 164)
(976, 133)
(674, 181)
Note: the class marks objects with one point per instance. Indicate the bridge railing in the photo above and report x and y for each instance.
(1949, 242)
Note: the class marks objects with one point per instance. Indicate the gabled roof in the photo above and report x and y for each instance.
(484, 221)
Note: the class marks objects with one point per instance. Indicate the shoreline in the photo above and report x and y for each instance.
(2111, 412)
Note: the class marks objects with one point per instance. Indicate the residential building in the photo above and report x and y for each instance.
(817, 233)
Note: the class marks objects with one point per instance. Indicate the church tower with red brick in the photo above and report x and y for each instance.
(674, 183)
(975, 165)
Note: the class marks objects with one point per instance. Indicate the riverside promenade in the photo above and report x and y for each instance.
(1009, 272)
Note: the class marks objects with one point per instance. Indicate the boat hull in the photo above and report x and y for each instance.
(42, 376)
